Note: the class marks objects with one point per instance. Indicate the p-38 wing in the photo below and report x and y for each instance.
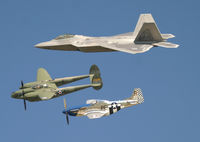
(45, 94)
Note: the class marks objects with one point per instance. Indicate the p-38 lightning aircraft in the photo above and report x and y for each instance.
(145, 36)
(46, 88)
(99, 108)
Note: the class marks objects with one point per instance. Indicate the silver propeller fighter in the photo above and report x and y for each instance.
(145, 36)
(99, 108)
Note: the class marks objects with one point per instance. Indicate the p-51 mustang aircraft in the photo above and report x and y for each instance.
(46, 88)
(145, 36)
(99, 108)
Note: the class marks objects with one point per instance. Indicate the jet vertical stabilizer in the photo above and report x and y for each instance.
(147, 32)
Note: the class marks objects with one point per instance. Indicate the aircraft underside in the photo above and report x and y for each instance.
(82, 49)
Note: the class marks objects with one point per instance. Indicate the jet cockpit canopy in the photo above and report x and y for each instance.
(64, 36)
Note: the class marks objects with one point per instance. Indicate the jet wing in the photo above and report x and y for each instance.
(125, 34)
(43, 75)
(96, 114)
(123, 47)
(128, 47)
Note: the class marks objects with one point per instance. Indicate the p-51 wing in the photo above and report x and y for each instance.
(96, 114)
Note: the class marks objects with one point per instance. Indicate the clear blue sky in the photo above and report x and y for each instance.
(169, 78)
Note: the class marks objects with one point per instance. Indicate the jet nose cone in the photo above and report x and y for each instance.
(40, 45)
(46, 45)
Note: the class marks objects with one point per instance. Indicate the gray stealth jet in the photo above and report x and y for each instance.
(145, 36)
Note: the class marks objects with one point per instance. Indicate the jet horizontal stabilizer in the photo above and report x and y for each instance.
(167, 36)
(166, 44)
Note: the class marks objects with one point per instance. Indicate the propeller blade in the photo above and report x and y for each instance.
(22, 83)
(65, 105)
(24, 104)
(23, 95)
(67, 118)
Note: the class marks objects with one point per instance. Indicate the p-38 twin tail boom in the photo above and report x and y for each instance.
(145, 36)
(46, 88)
(99, 108)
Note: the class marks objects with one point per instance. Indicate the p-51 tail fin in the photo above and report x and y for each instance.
(137, 95)
(147, 32)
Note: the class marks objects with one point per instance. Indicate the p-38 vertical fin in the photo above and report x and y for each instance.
(43, 75)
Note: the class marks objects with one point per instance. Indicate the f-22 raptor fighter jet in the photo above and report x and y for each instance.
(145, 36)
(99, 108)
(46, 88)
